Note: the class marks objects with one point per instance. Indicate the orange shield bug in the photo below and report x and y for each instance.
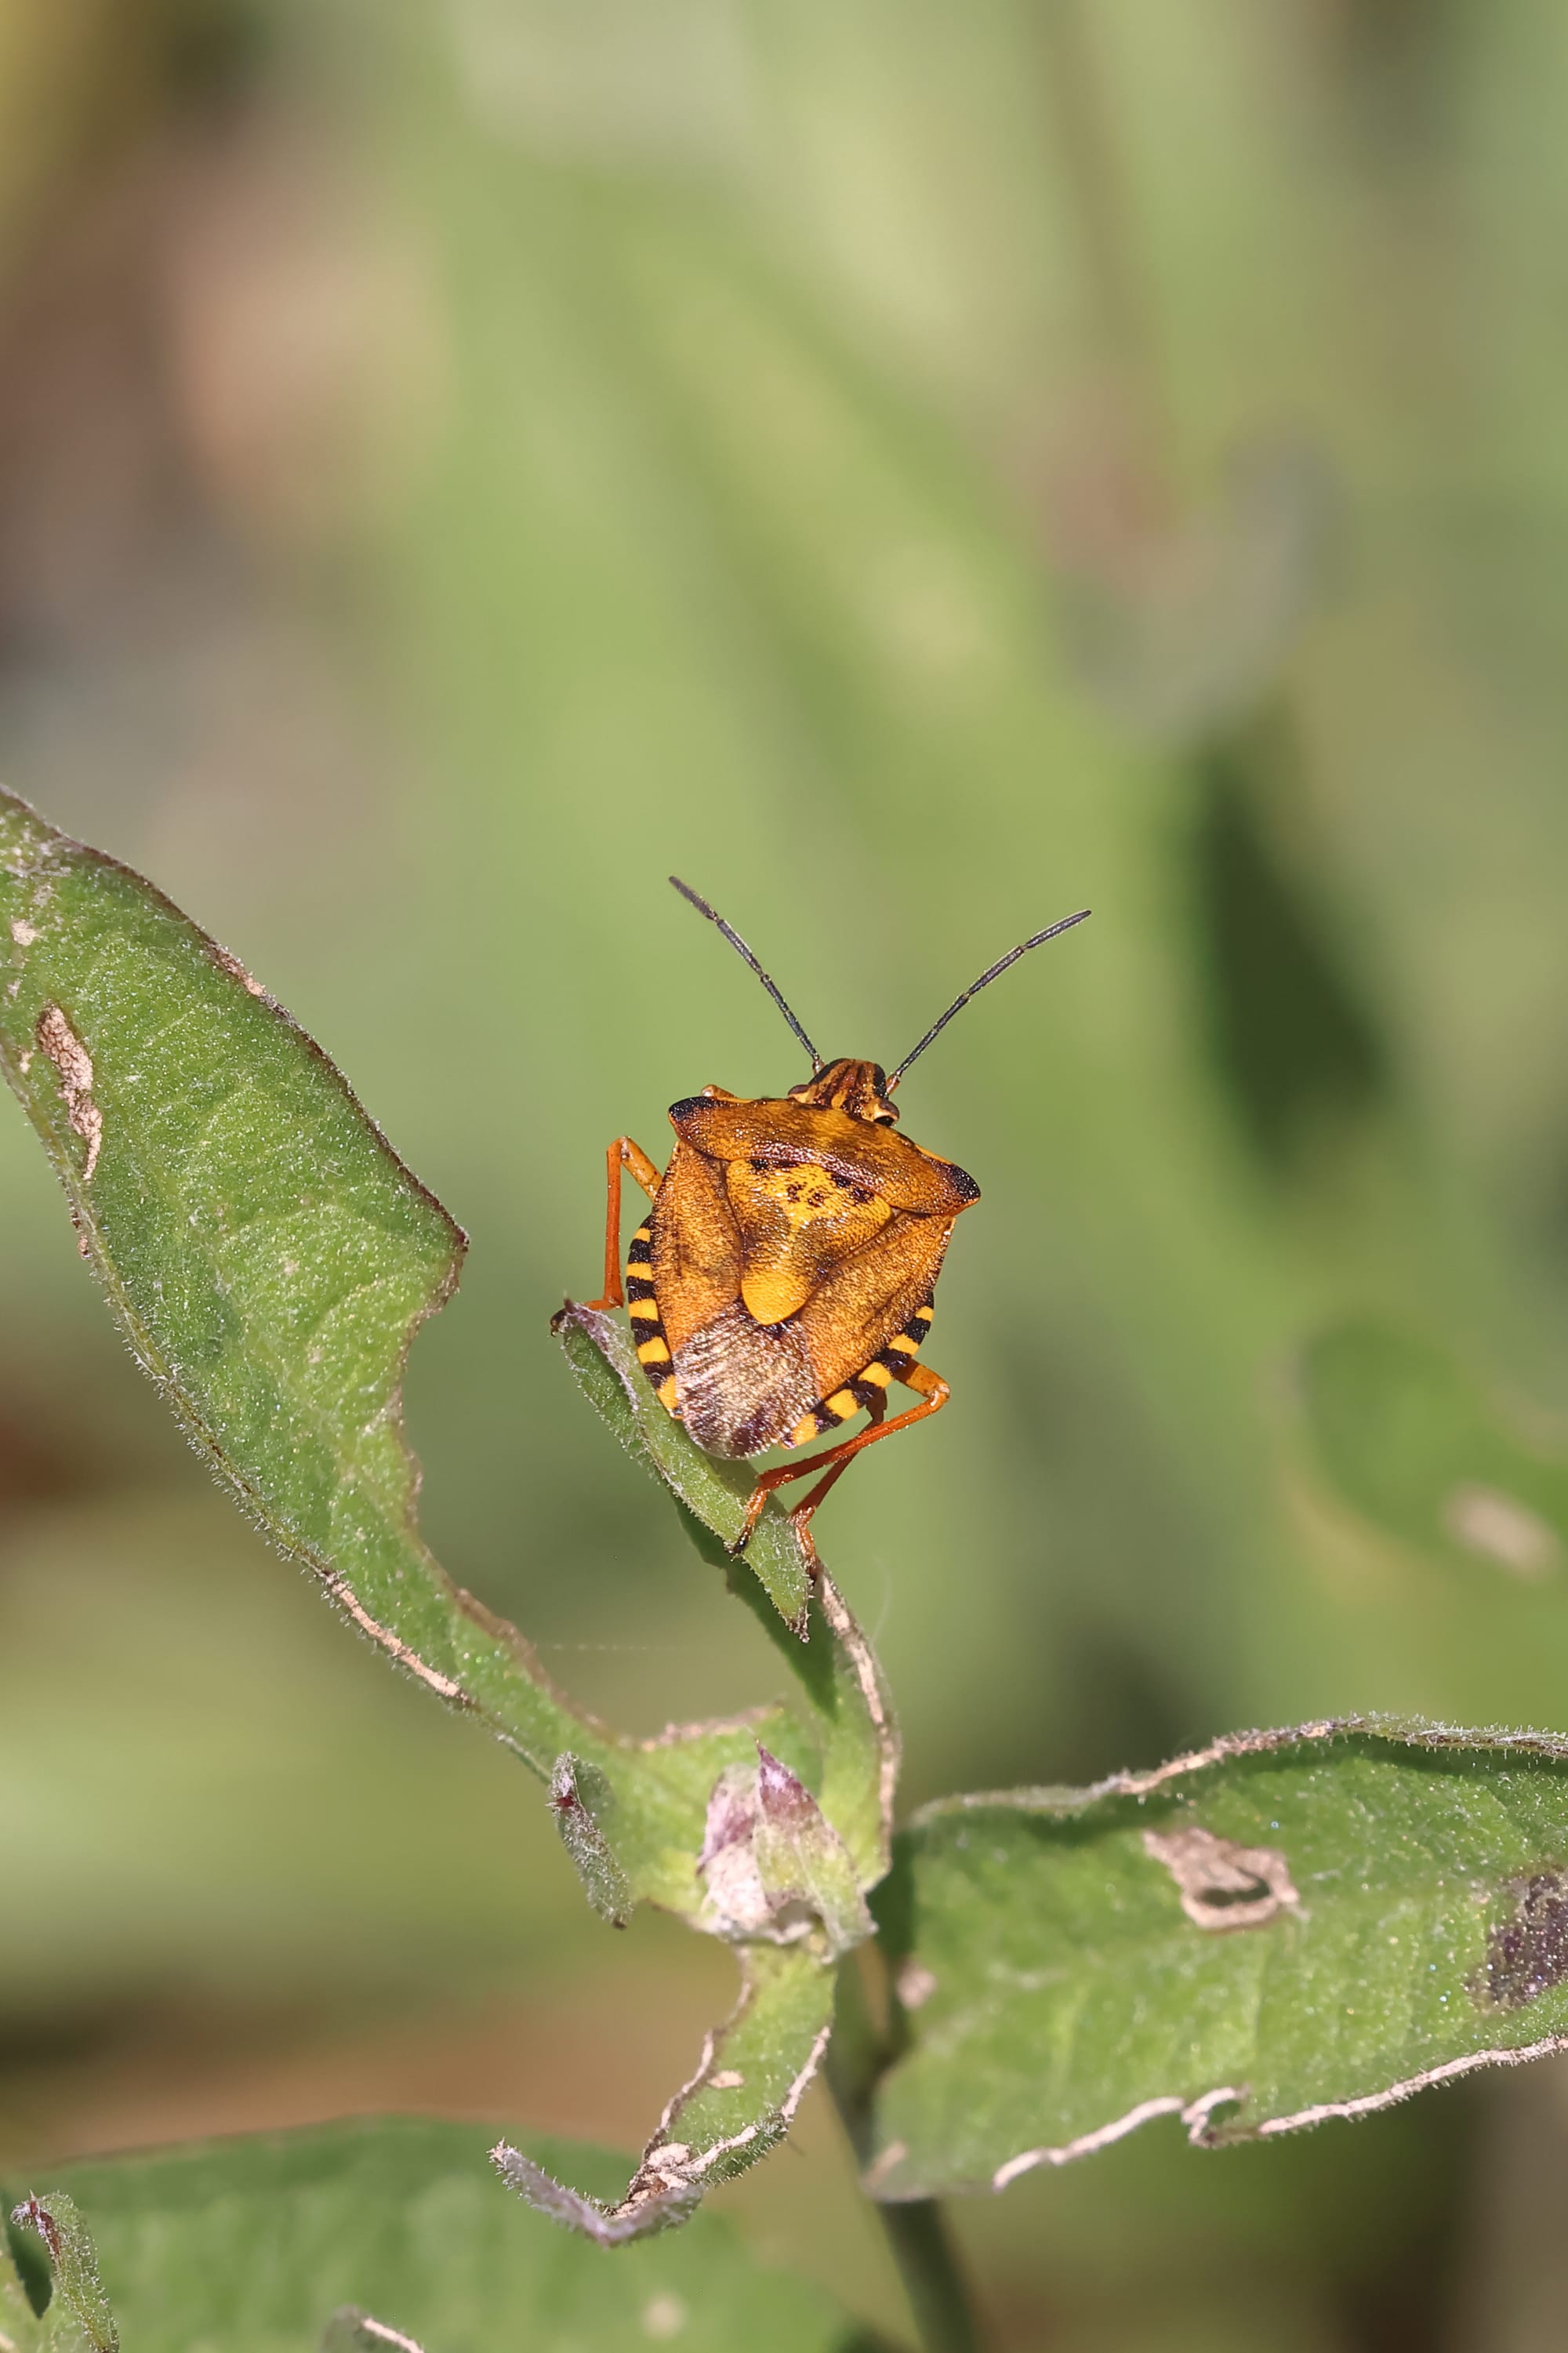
(783, 1278)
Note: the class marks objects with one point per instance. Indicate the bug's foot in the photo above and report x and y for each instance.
(801, 1524)
(755, 1510)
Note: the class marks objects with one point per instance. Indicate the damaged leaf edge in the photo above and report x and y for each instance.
(1407, 1732)
(661, 2197)
(1203, 2133)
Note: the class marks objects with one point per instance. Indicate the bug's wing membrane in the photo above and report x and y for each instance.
(697, 1252)
(866, 1303)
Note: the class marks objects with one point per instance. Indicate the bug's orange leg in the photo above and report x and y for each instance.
(935, 1393)
(802, 1512)
(622, 1154)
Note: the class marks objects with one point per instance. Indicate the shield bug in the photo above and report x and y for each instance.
(782, 1280)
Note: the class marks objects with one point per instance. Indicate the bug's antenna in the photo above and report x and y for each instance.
(739, 945)
(984, 981)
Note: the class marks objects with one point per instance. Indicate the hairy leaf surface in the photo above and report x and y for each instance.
(266, 2245)
(1288, 1927)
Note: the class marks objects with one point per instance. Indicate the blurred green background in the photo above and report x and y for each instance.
(913, 470)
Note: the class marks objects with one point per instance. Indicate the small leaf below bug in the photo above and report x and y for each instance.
(79, 2292)
(579, 1797)
(773, 1867)
(740, 2103)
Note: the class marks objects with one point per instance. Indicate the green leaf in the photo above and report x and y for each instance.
(1287, 1927)
(266, 2245)
(265, 1252)
(1403, 1434)
(581, 1799)
(740, 2104)
(78, 2314)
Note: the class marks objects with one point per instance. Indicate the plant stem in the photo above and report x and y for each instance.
(941, 2300)
(921, 2243)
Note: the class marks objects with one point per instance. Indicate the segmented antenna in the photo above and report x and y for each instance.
(984, 981)
(739, 945)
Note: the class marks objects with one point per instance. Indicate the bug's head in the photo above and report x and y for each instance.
(864, 1090)
(859, 1088)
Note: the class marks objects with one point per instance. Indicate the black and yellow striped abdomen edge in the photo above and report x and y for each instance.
(648, 1331)
(864, 1391)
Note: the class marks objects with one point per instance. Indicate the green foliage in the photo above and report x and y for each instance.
(749, 486)
(269, 1259)
(1403, 1434)
(77, 2318)
(1068, 1965)
(1285, 1927)
(259, 2246)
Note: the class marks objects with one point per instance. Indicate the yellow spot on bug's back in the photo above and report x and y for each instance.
(877, 1373)
(842, 1404)
(646, 1309)
(925, 1313)
(773, 1292)
(802, 1432)
(655, 1351)
(797, 1223)
(666, 1393)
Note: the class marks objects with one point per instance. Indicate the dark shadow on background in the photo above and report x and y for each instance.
(1297, 1048)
